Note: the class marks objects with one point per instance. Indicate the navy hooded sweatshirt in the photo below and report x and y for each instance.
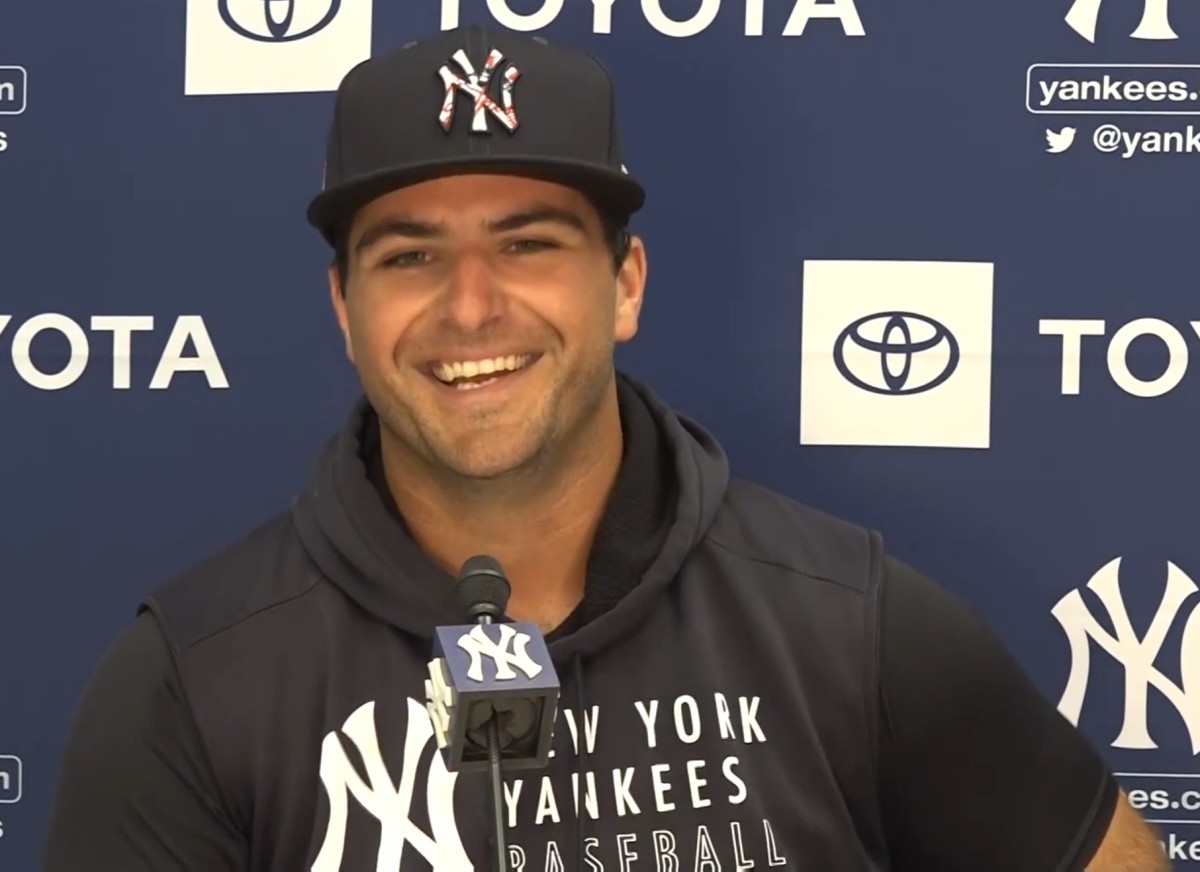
(748, 684)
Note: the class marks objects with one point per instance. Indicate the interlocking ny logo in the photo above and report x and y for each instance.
(1155, 24)
(1138, 656)
(388, 802)
(506, 653)
(476, 86)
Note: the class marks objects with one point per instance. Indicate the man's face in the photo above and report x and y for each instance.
(481, 313)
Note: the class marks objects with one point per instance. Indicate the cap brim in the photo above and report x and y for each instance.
(611, 189)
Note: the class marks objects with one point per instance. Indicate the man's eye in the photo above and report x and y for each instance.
(406, 258)
(532, 245)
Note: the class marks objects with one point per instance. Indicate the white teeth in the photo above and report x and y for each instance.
(465, 369)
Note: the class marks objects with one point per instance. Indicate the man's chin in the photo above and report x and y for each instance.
(487, 465)
(490, 448)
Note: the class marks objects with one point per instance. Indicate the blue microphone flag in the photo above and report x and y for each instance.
(483, 669)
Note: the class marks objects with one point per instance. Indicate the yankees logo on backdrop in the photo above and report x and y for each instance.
(1084, 15)
(1137, 655)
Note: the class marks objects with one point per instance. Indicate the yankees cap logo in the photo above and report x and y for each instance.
(476, 86)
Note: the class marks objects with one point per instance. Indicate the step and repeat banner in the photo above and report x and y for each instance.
(931, 267)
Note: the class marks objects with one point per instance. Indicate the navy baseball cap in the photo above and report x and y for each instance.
(473, 100)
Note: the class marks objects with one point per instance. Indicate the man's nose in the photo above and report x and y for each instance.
(473, 298)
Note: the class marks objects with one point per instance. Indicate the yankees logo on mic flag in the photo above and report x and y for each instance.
(483, 670)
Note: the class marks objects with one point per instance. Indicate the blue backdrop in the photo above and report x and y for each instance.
(927, 266)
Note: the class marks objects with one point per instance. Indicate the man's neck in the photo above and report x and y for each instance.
(540, 530)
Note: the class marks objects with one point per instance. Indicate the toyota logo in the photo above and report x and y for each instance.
(276, 20)
(896, 353)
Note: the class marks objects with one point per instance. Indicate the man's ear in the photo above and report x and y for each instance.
(337, 296)
(631, 287)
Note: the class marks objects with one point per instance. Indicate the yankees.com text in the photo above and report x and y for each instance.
(1094, 89)
(1176, 802)
(1180, 849)
(1165, 800)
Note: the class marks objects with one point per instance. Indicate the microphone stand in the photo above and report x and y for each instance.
(497, 780)
(497, 794)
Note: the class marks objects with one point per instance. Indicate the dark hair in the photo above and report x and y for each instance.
(614, 226)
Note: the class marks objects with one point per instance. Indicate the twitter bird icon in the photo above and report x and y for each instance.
(1059, 141)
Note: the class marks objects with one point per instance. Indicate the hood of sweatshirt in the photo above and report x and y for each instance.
(671, 483)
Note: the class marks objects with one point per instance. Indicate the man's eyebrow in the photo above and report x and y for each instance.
(413, 229)
(397, 227)
(538, 215)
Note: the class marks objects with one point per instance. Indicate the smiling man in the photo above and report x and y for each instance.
(481, 312)
(747, 682)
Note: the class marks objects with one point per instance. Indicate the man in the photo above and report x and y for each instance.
(747, 683)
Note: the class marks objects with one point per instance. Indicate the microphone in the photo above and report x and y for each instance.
(492, 691)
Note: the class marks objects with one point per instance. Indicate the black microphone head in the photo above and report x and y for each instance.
(483, 588)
